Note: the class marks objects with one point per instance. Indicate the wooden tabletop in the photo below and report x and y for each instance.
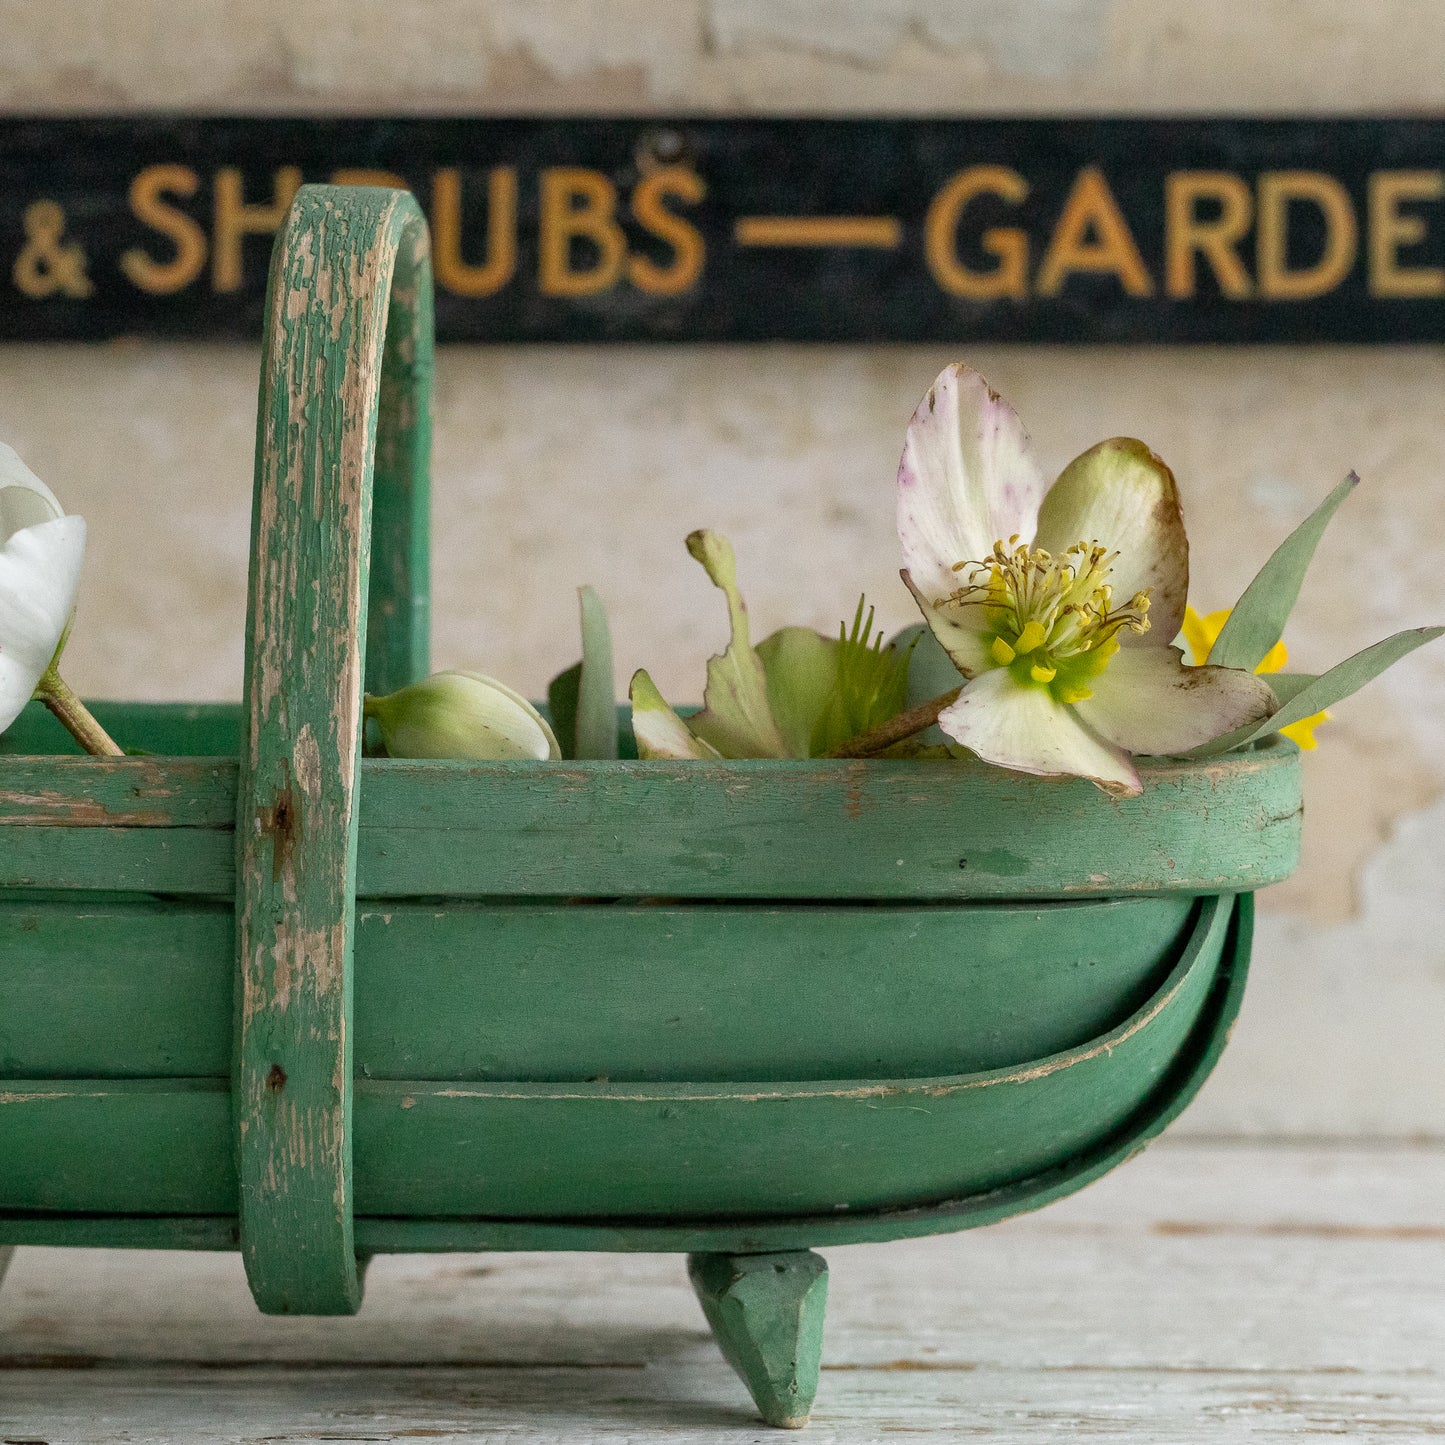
(1204, 1292)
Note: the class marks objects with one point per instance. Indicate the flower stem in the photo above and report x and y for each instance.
(54, 692)
(901, 726)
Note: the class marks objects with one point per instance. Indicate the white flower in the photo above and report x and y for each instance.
(1019, 584)
(40, 555)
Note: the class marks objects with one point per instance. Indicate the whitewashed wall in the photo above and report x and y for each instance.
(556, 466)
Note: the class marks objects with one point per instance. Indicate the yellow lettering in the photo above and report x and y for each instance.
(578, 203)
(163, 278)
(1008, 244)
(1186, 234)
(236, 219)
(455, 274)
(1277, 190)
(1389, 230)
(360, 176)
(684, 239)
(1092, 235)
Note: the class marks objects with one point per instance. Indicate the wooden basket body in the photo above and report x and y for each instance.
(260, 993)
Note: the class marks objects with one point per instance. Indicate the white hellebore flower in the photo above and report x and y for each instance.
(1058, 605)
(461, 715)
(40, 554)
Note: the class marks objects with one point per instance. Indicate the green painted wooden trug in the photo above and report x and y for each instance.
(937, 1092)
(766, 1311)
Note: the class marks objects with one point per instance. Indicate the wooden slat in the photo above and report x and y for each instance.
(792, 830)
(516, 992)
(680, 1150)
(83, 793)
(328, 330)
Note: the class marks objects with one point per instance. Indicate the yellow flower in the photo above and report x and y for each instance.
(1200, 632)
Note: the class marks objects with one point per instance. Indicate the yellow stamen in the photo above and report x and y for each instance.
(1051, 617)
(1032, 637)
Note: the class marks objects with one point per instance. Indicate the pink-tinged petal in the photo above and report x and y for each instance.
(965, 645)
(1023, 728)
(39, 575)
(967, 480)
(1147, 701)
(1122, 496)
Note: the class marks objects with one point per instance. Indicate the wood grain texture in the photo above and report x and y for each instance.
(625, 829)
(515, 992)
(333, 270)
(831, 1160)
(1205, 1294)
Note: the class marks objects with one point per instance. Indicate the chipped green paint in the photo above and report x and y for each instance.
(553, 1021)
(343, 380)
(767, 1313)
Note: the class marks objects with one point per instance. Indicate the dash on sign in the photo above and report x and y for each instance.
(884, 233)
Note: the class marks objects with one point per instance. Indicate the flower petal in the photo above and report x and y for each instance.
(25, 501)
(1122, 496)
(967, 479)
(659, 732)
(967, 648)
(1024, 728)
(1147, 701)
(39, 574)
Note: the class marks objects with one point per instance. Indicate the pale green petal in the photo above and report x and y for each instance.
(1023, 728)
(801, 667)
(1120, 495)
(458, 714)
(39, 576)
(966, 645)
(25, 501)
(660, 733)
(967, 479)
(1148, 701)
(737, 719)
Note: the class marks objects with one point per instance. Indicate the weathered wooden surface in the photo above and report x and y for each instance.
(319, 417)
(815, 1159)
(1202, 1295)
(514, 992)
(608, 829)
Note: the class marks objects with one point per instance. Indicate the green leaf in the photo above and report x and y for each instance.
(1328, 688)
(736, 718)
(660, 733)
(596, 693)
(931, 672)
(1258, 619)
(801, 668)
(562, 694)
(1286, 686)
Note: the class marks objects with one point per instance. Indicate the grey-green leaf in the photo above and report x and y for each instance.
(562, 693)
(1258, 619)
(596, 691)
(1342, 680)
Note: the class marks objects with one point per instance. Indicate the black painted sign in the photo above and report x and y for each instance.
(1095, 230)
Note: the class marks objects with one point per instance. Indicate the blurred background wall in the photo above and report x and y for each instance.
(556, 466)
